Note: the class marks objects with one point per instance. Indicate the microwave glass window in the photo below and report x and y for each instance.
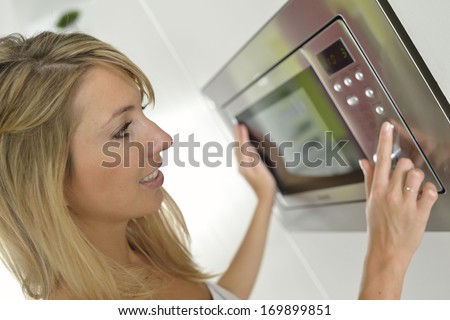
(301, 136)
(335, 57)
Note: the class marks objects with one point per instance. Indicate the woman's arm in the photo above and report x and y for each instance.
(241, 275)
(397, 212)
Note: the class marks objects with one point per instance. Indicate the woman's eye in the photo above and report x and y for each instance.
(122, 133)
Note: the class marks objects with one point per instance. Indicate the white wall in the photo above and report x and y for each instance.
(205, 34)
(8, 21)
(428, 25)
(181, 45)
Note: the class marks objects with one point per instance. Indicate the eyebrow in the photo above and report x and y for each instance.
(118, 113)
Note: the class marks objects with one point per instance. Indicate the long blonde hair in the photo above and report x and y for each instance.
(39, 241)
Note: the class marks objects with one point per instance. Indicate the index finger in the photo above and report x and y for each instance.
(384, 152)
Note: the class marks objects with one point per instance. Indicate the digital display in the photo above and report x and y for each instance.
(335, 57)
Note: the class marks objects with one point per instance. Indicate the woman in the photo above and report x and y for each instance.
(73, 226)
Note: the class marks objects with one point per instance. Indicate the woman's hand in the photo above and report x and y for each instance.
(397, 211)
(252, 167)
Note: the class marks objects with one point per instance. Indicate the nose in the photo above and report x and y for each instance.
(159, 141)
(166, 141)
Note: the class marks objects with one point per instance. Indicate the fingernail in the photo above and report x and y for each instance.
(387, 126)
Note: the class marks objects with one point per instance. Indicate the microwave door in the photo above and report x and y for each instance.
(301, 136)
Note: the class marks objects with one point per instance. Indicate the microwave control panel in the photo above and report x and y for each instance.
(359, 96)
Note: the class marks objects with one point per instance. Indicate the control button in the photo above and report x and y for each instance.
(379, 109)
(337, 87)
(359, 76)
(370, 93)
(352, 101)
(348, 81)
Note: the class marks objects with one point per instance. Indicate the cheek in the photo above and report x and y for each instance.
(91, 171)
(112, 191)
(131, 154)
(96, 188)
(112, 169)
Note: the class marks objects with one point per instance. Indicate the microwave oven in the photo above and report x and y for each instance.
(314, 85)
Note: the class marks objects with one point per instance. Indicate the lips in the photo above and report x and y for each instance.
(152, 176)
(153, 180)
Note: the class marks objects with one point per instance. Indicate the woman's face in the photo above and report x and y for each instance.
(115, 151)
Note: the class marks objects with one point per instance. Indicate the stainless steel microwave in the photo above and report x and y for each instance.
(314, 85)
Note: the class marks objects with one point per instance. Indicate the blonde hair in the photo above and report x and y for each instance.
(39, 242)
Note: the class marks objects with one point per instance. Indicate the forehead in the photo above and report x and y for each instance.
(101, 91)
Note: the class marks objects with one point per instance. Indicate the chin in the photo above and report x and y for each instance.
(154, 208)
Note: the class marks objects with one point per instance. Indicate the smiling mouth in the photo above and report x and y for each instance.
(152, 176)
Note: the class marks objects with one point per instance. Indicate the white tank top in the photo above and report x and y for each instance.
(219, 293)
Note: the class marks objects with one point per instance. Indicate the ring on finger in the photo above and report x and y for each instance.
(409, 189)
